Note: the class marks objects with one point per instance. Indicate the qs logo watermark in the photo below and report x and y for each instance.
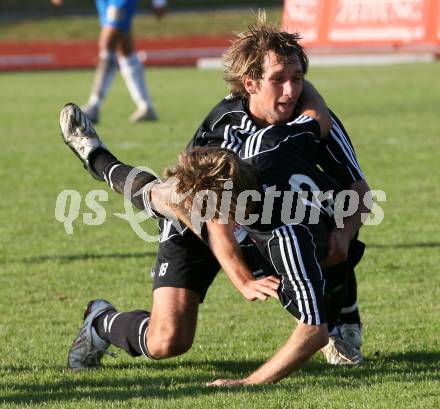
(304, 203)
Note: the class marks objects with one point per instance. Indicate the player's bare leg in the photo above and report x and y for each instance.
(173, 322)
(104, 72)
(168, 331)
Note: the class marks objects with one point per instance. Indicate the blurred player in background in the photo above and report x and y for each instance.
(116, 48)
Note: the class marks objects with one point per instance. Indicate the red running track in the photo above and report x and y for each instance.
(43, 55)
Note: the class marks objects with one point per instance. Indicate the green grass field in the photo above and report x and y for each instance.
(218, 22)
(47, 276)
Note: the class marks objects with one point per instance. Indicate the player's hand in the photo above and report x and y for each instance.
(338, 244)
(57, 2)
(227, 383)
(260, 289)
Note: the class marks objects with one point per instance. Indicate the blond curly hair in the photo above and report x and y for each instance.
(212, 169)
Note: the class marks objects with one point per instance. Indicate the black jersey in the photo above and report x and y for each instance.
(229, 125)
(337, 156)
(293, 186)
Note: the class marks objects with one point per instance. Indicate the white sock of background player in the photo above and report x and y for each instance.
(104, 74)
(132, 71)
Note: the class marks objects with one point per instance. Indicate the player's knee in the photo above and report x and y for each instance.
(169, 344)
(176, 346)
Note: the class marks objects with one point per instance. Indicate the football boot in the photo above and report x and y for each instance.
(340, 352)
(80, 136)
(88, 347)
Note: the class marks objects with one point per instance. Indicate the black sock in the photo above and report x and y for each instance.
(116, 174)
(100, 159)
(330, 328)
(350, 311)
(352, 317)
(125, 330)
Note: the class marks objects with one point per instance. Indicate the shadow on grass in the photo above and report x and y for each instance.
(388, 364)
(233, 367)
(95, 256)
(163, 379)
(84, 256)
(433, 244)
(174, 379)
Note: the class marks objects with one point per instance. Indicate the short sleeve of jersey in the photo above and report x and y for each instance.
(300, 135)
(226, 126)
(337, 156)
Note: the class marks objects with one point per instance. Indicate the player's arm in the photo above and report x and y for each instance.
(302, 344)
(221, 240)
(312, 104)
(224, 246)
(338, 159)
(340, 238)
(57, 2)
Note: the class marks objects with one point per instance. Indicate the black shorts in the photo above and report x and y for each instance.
(185, 261)
(311, 294)
(294, 252)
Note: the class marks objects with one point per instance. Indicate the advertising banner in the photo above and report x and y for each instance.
(364, 22)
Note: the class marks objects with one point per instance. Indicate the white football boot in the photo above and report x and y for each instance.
(88, 348)
(79, 135)
(340, 352)
(352, 333)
